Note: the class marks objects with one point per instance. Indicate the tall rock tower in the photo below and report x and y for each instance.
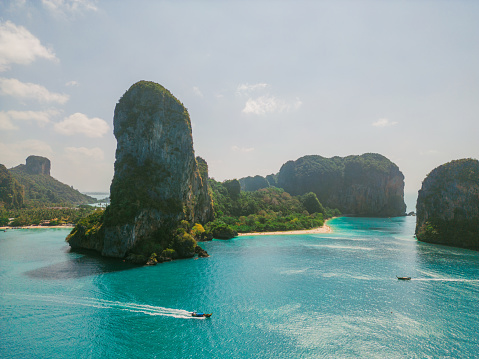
(157, 181)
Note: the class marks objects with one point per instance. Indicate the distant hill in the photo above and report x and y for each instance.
(11, 192)
(41, 188)
(366, 185)
(252, 184)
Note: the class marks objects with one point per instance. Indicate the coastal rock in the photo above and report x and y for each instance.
(223, 231)
(366, 185)
(157, 181)
(201, 252)
(448, 205)
(11, 192)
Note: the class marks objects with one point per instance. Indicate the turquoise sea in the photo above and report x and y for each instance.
(294, 296)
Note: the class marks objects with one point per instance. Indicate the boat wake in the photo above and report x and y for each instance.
(110, 304)
(447, 280)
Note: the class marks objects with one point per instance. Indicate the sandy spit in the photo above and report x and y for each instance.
(324, 229)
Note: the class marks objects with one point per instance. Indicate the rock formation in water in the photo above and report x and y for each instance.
(11, 192)
(366, 185)
(157, 181)
(41, 188)
(448, 205)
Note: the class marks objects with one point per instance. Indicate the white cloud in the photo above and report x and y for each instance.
(81, 153)
(27, 90)
(247, 88)
(197, 91)
(72, 83)
(63, 7)
(6, 122)
(269, 104)
(242, 149)
(80, 123)
(40, 117)
(384, 122)
(19, 46)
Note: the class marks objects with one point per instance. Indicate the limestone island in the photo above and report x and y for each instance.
(448, 205)
(157, 184)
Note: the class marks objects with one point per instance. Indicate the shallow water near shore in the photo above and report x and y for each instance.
(299, 296)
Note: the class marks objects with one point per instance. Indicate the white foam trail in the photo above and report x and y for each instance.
(447, 280)
(109, 304)
(336, 246)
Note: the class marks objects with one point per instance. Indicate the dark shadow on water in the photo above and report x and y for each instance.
(89, 264)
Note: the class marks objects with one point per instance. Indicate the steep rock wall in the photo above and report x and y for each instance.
(157, 181)
(37, 165)
(448, 205)
(366, 185)
(252, 184)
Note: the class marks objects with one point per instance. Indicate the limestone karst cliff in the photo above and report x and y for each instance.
(157, 181)
(37, 165)
(253, 183)
(366, 185)
(448, 205)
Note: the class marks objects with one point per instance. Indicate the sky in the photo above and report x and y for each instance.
(264, 82)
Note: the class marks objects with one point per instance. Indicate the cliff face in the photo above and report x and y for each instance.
(366, 185)
(11, 192)
(157, 181)
(37, 165)
(252, 184)
(448, 205)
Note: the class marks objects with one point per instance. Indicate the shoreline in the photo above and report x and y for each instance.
(319, 230)
(35, 227)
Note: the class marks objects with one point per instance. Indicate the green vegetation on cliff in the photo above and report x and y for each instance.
(11, 192)
(137, 190)
(143, 98)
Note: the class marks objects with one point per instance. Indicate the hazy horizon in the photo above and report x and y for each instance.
(264, 82)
